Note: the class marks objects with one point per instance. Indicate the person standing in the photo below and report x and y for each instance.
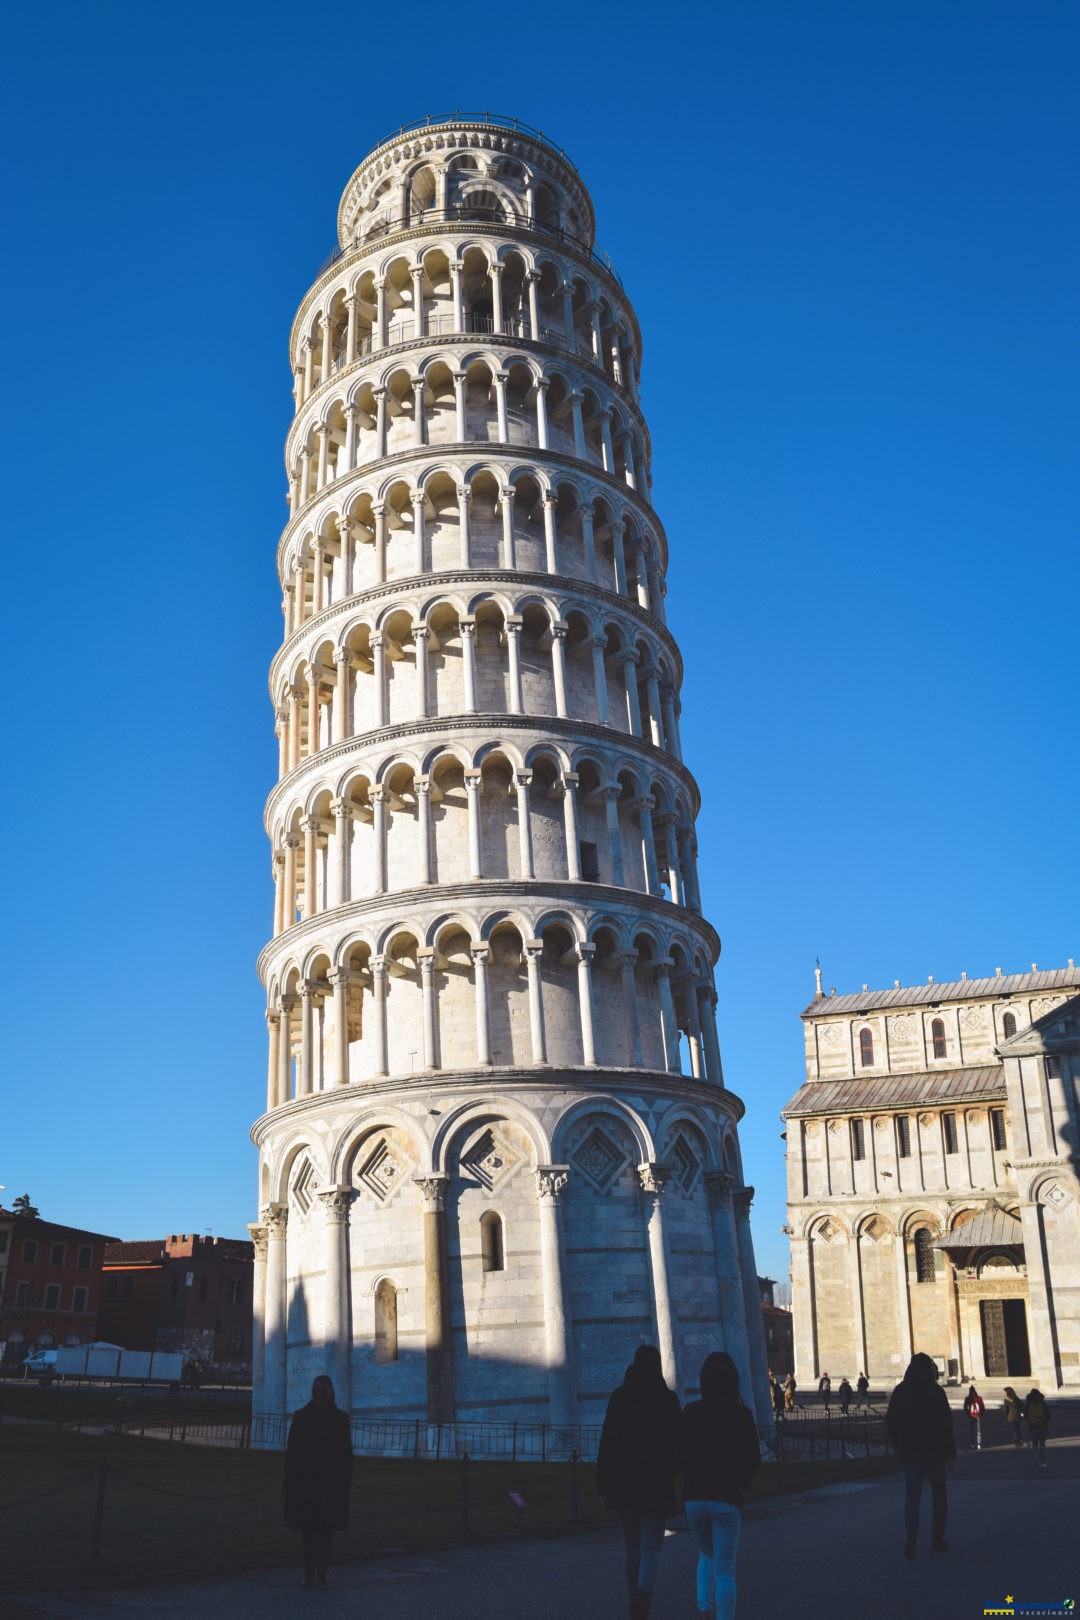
(825, 1388)
(974, 1407)
(776, 1391)
(862, 1387)
(719, 1455)
(318, 1477)
(1014, 1412)
(845, 1394)
(1038, 1419)
(635, 1469)
(920, 1427)
(789, 1393)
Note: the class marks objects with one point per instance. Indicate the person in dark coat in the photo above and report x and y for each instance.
(845, 1393)
(318, 1477)
(719, 1455)
(635, 1469)
(920, 1427)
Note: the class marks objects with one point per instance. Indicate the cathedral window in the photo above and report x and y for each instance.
(491, 1241)
(858, 1140)
(1053, 1068)
(997, 1128)
(385, 1323)
(924, 1255)
(866, 1048)
(1008, 1025)
(937, 1035)
(903, 1137)
(948, 1126)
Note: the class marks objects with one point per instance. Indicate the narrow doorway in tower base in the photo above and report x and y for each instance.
(1005, 1338)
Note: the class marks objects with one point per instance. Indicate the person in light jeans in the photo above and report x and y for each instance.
(719, 1455)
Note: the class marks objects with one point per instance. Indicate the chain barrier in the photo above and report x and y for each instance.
(24, 1501)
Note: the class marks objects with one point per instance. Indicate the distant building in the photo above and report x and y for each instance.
(51, 1284)
(183, 1292)
(933, 1194)
(776, 1324)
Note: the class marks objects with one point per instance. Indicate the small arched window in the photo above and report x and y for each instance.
(924, 1255)
(866, 1048)
(937, 1035)
(491, 1241)
(1008, 1025)
(385, 1322)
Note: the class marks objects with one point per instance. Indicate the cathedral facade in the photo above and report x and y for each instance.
(497, 1151)
(933, 1193)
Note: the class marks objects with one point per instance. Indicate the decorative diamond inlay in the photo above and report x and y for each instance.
(303, 1187)
(489, 1161)
(382, 1172)
(685, 1163)
(599, 1159)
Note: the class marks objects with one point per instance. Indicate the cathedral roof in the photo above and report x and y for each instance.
(921, 995)
(898, 1091)
(989, 1229)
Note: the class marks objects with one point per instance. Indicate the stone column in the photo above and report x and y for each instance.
(352, 304)
(278, 866)
(468, 662)
(417, 274)
(273, 1025)
(499, 378)
(418, 410)
(903, 1301)
(426, 958)
(342, 811)
(340, 716)
(422, 785)
(688, 869)
(322, 433)
(568, 313)
(633, 1022)
(719, 1186)
(588, 541)
(558, 668)
(675, 882)
(610, 796)
(258, 1312)
(513, 657)
(473, 788)
(596, 645)
(309, 826)
(348, 453)
(274, 1219)
(629, 664)
(377, 796)
(327, 357)
(541, 413)
(309, 367)
(380, 312)
(654, 1182)
(858, 1304)
(308, 992)
(605, 438)
(292, 844)
(583, 955)
(456, 270)
(479, 956)
(569, 785)
(1044, 1359)
(662, 970)
(644, 808)
(532, 281)
(378, 1005)
(420, 642)
(295, 697)
(337, 1316)
(464, 496)
(551, 545)
(550, 1181)
(496, 272)
(378, 512)
(416, 497)
(618, 557)
(380, 395)
(339, 979)
(506, 505)
(313, 683)
(534, 949)
(378, 678)
(460, 378)
(318, 571)
(687, 984)
(522, 784)
(281, 732)
(286, 1006)
(305, 476)
(642, 577)
(652, 697)
(440, 1371)
(579, 427)
(759, 1368)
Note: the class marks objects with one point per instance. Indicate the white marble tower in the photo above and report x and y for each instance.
(497, 1151)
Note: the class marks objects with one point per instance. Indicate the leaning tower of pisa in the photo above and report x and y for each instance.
(497, 1151)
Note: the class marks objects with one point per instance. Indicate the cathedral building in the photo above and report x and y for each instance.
(498, 1152)
(933, 1194)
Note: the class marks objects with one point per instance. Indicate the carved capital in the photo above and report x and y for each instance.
(342, 809)
(433, 1191)
(550, 1181)
(719, 1186)
(654, 1178)
(258, 1240)
(335, 1202)
(743, 1198)
(274, 1218)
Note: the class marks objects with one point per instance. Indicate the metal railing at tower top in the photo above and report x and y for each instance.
(393, 224)
(499, 120)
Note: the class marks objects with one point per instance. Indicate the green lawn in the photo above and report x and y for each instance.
(71, 1404)
(180, 1512)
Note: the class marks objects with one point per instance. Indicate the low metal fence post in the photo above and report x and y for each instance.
(99, 1512)
(465, 1494)
(573, 1486)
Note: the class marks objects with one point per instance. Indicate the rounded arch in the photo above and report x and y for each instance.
(609, 1108)
(468, 1115)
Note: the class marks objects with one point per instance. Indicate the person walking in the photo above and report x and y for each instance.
(789, 1392)
(825, 1388)
(635, 1469)
(974, 1407)
(318, 1478)
(1014, 1412)
(862, 1388)
(719, 1456)
(845, 1393)
(920, 1427)
(776, 1391)
(1038, 1421)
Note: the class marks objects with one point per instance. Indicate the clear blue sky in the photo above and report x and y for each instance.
(850, 235)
